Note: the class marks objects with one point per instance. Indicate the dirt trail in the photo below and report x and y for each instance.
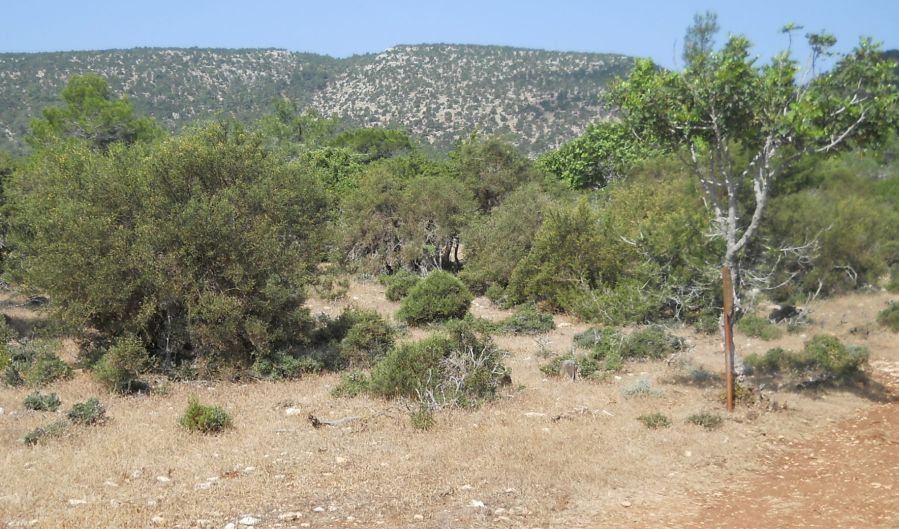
(847, 477)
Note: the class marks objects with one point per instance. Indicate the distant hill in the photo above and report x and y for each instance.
(438, 92)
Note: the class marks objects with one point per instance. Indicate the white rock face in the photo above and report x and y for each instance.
(248, 521)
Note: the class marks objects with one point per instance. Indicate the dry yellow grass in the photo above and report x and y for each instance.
(596, 466)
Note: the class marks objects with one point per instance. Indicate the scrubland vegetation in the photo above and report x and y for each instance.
(192, 257)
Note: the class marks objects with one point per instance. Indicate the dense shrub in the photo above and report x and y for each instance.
(284, 366)
(834, 358)
(40, 402)
(459, 366)
(824, 355)
(368, 340)
(120, 368)
(205, 419)
(35, 364)
(491, 168)
(399, 284)
(846, 227)
(87, 413)
(632, 256)
(527, 319)
(652, 342)
(758, 327)
(201, 244)
(496, 242)
(438, 297)
(893, 284)
(406, 213)
(43, 433)
(497, 295)
(889, 317)
(655, 420)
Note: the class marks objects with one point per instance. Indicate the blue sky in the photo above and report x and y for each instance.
(341, 28)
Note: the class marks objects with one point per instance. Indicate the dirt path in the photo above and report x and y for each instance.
(848, 477)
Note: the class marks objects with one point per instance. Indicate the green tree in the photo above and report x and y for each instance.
(201, 244)
(294, 132)
(90, 113)
(736, 124)
(375, 143)
(491, 168)
(603, 153)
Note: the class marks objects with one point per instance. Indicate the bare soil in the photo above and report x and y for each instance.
(546, 454)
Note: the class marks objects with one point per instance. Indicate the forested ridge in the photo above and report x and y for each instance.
(438, 92)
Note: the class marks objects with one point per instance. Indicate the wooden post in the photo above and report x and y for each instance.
(728, 337)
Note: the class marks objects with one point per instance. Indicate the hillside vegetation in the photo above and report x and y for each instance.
(438, 92)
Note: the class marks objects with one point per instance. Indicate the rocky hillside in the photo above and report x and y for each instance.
(437, 92)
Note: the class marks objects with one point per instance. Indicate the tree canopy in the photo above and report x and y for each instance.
(92, 114)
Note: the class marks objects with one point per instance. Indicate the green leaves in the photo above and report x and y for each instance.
(91, 114)
(202, 243)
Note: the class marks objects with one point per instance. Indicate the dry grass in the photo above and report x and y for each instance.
(548, 454)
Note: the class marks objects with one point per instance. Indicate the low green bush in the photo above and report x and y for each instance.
(458, 366)
(758, 327)
(368, 340)
(40, 402)
(528, 319)
(824, 354)
(352, 384)
(43, 433)
(284, 366)
(707, 322)
(440, 296)
(497, 295)
(836, 359)
(889, 317)
(205, 419)
(87, 413)
(707, 420)
(893, 284)
(35, 364)
(119, 369)
(773, 361)
(655, 420)
(653, 342)
(399, 284)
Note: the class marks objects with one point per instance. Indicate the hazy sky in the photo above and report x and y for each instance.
(341, 28)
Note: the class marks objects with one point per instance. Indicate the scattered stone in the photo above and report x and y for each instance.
(499, 511)
(340, 460)
(74, 502)
(319, 509)
(534, 414)
(625, 503)
(1, 411)
(332, 508)
(477, 504)
(248, 521)
(247, 470)
(290, 516)
(466, 487)
(305, 524)
(157, 520)
(688, 453)
(203, 485)
(418, 517)
(137, 473)
(519, 511)
(229, 525)
(111, 484)
(293, 411)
